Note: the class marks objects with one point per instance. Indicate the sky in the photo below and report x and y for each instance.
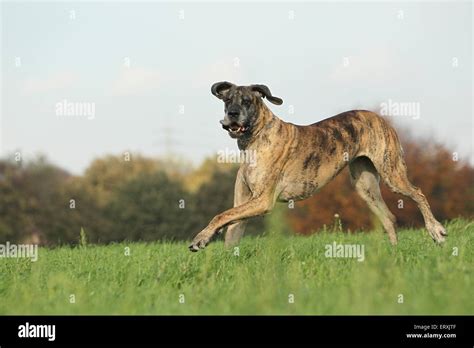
(144, 71)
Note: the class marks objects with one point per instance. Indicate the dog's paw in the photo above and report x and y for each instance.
(199, 242)
(437, 232)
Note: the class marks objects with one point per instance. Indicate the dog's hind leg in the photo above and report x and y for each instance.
(235, 231)
(365, 179)
(393, 170)
(398, 183)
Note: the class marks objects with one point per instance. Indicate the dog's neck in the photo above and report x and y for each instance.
(265, 120)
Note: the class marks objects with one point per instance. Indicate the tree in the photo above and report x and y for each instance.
(149, 207)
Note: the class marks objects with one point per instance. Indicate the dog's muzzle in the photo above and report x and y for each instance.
(234, 128)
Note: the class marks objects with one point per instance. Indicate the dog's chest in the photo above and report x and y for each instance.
(255, 178)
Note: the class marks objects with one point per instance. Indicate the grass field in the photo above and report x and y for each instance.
(270, 272)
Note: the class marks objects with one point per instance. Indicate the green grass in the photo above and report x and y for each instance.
(259, 281)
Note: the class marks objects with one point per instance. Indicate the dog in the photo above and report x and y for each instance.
(294, 162)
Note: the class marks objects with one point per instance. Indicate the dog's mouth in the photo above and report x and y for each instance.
(234, 128)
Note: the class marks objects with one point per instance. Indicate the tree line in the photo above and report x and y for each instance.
(132, 197)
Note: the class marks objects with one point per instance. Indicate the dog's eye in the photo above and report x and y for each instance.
(246, 101)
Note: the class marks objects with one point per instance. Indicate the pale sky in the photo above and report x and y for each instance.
(320, 58)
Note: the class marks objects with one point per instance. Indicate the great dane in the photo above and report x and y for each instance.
(293, 162)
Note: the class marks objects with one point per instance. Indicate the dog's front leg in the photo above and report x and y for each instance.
(242, 194)
(254, 207)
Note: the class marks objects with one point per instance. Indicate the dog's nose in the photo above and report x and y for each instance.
(233, 113)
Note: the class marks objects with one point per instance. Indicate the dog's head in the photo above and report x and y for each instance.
(242, 105)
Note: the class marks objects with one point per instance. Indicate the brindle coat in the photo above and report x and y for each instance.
(293, 162)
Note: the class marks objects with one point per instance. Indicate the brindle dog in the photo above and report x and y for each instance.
(293, 162)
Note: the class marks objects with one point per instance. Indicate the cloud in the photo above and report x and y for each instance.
(57, 81)
(136, 81)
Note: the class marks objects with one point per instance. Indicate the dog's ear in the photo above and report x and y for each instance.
(264, 92)
(219, 88)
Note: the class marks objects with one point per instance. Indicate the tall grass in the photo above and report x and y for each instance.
(262, 278)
